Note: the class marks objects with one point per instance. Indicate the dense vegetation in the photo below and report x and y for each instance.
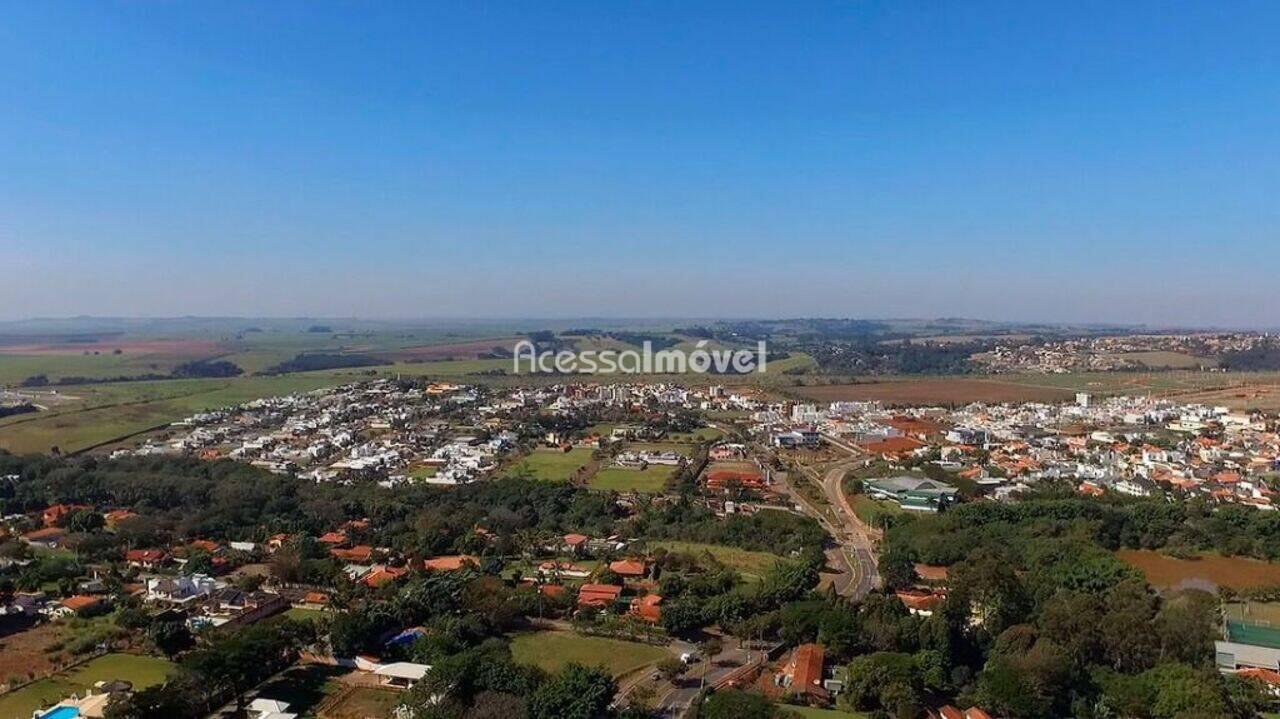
(313, 361)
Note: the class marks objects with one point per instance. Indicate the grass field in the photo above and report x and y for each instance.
(871, 511)
(142, 671)
(1234, 572)
(553, 465)
(553, 650)
(751, 565)
(652, 479)
(106, 412)
(364, 703)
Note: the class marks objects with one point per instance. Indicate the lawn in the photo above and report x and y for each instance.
(698, 435)
(142, 671)
(872, 511)
(619, 479)
(751, 565)
(553, 465)
(304, 615)
(553, 650)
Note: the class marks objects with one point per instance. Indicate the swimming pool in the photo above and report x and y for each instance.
(61, 713)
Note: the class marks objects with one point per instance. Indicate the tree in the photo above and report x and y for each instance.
(577, 692)
(670, 668)
(170, 637)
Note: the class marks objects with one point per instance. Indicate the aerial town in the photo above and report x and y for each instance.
(680, 470)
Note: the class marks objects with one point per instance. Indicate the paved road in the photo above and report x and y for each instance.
(730, 659)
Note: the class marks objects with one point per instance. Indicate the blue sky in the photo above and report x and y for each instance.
(1087, 161)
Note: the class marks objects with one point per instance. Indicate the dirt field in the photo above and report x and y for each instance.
(472, 349)
(23, 650)
(935, 391)
(1264, 397)
(1234, 572)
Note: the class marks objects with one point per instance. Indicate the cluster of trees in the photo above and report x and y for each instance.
(312, 361)
(224, 668)
(186, 370)
(1041, 619)
(1175, 527)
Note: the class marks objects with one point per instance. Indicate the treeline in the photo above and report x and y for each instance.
(1042, 620)
(188, 370)
(313, 361)
(1179, 527)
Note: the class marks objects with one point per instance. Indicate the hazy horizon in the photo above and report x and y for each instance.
(1091, 163)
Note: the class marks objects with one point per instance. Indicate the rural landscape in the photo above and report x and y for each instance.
(570, 360)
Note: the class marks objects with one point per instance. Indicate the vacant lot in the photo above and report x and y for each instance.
(553, 650)
(23, 648)
(363, 703)
(812, 713)
(934, 391)
(554, 465)
(752, 565)
(142, 671)
(1234, 572)
(652, 479)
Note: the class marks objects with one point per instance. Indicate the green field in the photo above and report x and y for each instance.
(553, 465)
(872, 511)
(652, 479)
(142, 671)
(553, 650)
(752, 565)
(101, 413)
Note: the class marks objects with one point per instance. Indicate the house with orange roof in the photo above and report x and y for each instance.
(893, 447)
(359, 554)
(50, 537)
(451, 563)
(598, 596)
(55, 513)
(82, 604)
(576, 543)
(382, 574)
(146, 558)
(648, 608)
(628, 568)
(803, 672)
(336, 539)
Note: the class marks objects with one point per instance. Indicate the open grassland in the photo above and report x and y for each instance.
(142, 671)
(105, 413)
(752, 565)
(552, 650)
(650, 480)
(553, 465)
(1171, 360)
(1234, 572)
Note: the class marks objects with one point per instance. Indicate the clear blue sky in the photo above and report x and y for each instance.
(1104, 161)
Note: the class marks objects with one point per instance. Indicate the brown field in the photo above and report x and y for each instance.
(176, 348)
(1211, 569)
(1263, 397)
(22, 650)
(471, 349)
(935, 391)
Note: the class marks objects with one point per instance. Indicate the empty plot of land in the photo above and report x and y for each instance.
(553, 650)
(752, 565)
(935, 391)
(650, 480)
(554, 465)
(1205, 571)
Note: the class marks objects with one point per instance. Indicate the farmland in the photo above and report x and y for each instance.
(552, 650)
(1169, 572)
